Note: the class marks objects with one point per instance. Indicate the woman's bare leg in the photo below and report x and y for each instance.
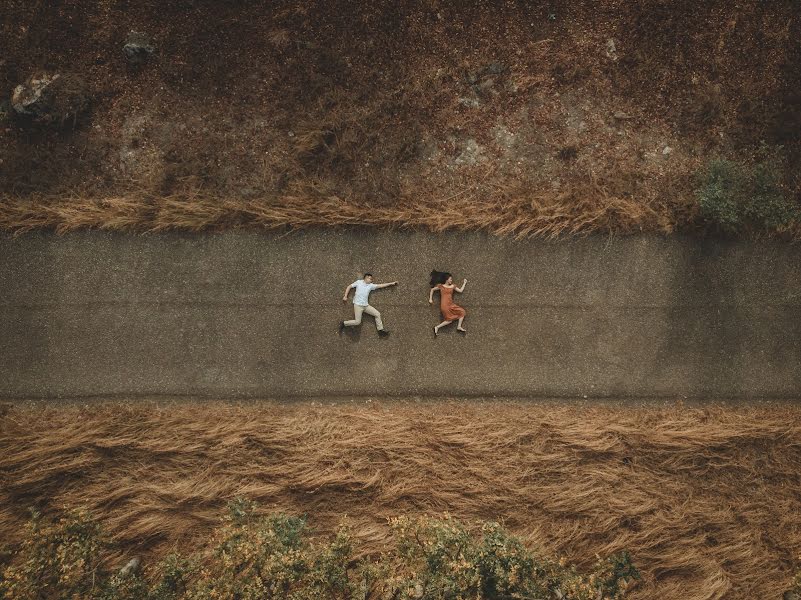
(436, 329)
(459, 325)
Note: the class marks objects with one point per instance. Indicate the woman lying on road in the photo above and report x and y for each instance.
(450, 311)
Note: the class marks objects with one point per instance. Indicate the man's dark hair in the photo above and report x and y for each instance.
(367, 275)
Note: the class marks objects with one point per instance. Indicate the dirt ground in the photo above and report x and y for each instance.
(516, 117)
(704, 496)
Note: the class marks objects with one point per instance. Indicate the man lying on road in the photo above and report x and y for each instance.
(363, 288)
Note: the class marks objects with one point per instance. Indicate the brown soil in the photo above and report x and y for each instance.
(705, 498)
(496, 115)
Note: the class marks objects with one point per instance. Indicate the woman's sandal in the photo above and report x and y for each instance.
(460, 330)
(436, 331)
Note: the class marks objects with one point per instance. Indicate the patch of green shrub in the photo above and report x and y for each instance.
(737, 197)
(252, 557)
(794, 593)
(57, 559)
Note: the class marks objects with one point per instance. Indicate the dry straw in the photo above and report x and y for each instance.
(510, 212)
(706, 499)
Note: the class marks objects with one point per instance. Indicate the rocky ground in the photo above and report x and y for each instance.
(593, 115)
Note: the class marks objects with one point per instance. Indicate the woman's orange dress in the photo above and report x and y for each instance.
(450, 311)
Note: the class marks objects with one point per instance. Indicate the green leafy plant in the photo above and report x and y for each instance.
(736, 197)
(58, 559)
(255, 556)
(794, 593)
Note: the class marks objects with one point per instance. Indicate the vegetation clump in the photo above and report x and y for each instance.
(255, 556)
(737, 197)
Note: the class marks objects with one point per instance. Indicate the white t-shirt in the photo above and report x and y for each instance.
(362, 291)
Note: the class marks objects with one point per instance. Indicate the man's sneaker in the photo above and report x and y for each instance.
(341, 327)
(383, 333)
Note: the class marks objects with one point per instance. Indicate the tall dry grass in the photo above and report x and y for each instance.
(706, 499)
(487, 203)
(509, 213)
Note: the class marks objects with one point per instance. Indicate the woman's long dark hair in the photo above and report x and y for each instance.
(438, 277)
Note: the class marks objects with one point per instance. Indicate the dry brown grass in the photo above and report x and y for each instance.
(706, 499)
(510, 211)
(389, 113)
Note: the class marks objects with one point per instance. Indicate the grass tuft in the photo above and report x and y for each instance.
(704, 499)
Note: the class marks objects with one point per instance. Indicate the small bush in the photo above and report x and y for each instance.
(795, 586)
(57, 559)
(736, 197)
(254, 557)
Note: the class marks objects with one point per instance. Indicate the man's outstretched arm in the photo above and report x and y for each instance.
(378, 286)
(345, 295)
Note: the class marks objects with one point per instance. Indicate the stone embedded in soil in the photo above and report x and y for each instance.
(27, 98)
(138, 47)
(611, 49)
(495, 68)
(132, 566)
(51, 97)
(471, 153)
(486, 83)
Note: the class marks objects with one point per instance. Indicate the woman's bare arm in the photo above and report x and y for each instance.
(461, 289)
(431, 295)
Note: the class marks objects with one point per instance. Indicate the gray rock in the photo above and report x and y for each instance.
(138, 48)
(249, 193)
(503, 137)
(131, 567)
(611, 49)
(621, 116)
(667, 150)
(471, 153)
(486, 83)
(495, 68)
(27, 98)
(51, 97)
(512, 86)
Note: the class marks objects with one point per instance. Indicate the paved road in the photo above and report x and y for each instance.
(255, 315)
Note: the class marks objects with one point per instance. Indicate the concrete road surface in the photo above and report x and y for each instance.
(255, 315)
